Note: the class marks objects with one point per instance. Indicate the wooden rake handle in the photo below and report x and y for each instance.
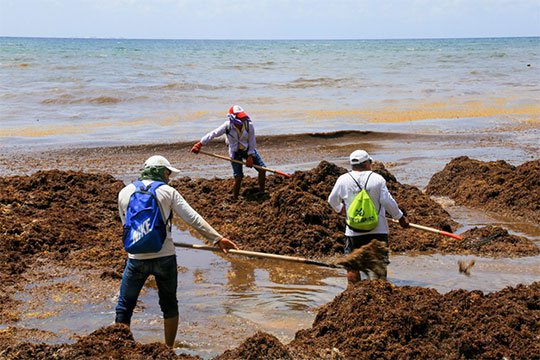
(243, 163)
(429, 229)
(256, 254)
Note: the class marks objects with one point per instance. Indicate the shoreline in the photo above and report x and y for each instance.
(127, 159)
(412, 151)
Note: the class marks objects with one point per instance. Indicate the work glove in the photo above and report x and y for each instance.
(195, 149)
(403, 222)
(249, 161)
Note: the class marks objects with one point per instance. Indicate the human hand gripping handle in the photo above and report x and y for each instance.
(226, 244)
(196, 148)
(249, 161)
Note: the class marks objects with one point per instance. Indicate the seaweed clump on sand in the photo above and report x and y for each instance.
(59, 213)
(496, 186)
(495, 241)
(376, 319)
(112, 342)
(259, 346)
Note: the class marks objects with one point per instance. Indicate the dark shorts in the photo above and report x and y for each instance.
(355, 242)
(241, 155)
(135, 274)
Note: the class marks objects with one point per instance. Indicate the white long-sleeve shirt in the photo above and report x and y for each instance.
(246, 138)
(346, 189)
(169, 199)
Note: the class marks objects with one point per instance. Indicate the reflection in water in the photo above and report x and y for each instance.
(241, 276)
(442, 272)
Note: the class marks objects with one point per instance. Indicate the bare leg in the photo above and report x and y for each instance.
(170, 326)
(262, 180)
(237, 185)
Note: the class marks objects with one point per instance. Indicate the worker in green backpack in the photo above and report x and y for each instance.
(362, 195)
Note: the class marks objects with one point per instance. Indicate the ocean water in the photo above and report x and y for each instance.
(117, 91)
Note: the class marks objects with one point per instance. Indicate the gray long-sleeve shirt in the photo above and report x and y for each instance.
(246, 138)
(169, 199)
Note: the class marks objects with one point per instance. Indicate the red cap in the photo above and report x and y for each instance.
(237, 111)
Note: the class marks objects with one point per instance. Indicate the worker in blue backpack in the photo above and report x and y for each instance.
(242, 145)
(364, 210)
(148, 241)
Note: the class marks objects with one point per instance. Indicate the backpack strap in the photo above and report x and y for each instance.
(139, 185)
(357, 181)
(365, 187)
(152, 187)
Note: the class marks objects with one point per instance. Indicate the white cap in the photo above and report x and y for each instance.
(359, 156)
(157, 161)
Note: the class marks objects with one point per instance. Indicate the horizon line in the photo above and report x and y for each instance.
(264, 39)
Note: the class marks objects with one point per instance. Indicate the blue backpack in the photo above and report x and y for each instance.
(144, 230)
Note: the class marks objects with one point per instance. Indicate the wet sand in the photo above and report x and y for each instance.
(286, 152)
(123, 163)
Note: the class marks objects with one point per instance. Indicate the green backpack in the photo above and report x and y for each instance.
(362, 215)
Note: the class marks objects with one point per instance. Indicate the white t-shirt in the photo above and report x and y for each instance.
(346, 189)
(169, 199)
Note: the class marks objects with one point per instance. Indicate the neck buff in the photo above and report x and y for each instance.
(234, 120)
(153, 173)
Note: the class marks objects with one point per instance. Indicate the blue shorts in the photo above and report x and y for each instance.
(135, 274)
(241, 155)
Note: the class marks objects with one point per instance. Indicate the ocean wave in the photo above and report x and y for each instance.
(15, 65)
(303, 83)
(67, 67)
(103, 100)
(68, 99)
(190, 86)
(261, 65)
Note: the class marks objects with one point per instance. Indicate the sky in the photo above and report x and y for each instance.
(270, 19)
